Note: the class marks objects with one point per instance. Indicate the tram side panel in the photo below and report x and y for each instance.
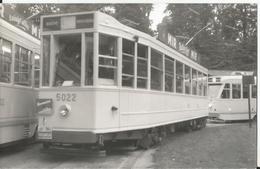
(18, 117)
(149, 109)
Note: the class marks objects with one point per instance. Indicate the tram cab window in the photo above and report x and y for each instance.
(36, 70)
(128, 63)
(214, 90)
(5, 60)
(142, 66)
(67, 49)
(169, 74)
(236, 91)
(254, 91)
(46, 61)
(23, 66)
(194, 82)
(187, 79)
(89, 59)
(156, 70)
(226, 91)
(107, 60)
(179, 77)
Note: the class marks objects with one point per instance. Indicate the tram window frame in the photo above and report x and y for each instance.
(23, 66)
(179, 77)
(5, 62)
(142, 66)
(89, 58)
(110, 65)
(194, 82)
(169, 74)
(156, 70)
(128, 63)
(236, 91)
(187, 79)
(45, 60)
(225, 94)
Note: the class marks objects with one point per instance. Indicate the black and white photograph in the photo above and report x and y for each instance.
(129, 85)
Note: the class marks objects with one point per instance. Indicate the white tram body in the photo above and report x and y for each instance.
(114, 82)
(19, 74)
(229, 98)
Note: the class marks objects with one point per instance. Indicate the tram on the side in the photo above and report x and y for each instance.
(102, 81)
(19, 76)
(229, 98)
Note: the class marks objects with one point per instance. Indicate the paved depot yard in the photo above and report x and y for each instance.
(216, 146)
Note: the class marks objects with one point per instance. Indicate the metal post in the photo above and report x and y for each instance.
(249, 105)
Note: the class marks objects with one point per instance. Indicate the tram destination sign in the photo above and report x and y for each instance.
(68, 22)
(168, 39)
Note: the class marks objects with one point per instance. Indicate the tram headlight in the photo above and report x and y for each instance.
(64, 110)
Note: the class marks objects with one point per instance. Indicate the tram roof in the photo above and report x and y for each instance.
(105, 20)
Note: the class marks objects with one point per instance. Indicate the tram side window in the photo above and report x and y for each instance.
(254, 91)
(5, 60)
(236, 91)
(194, 81)
(179, 77)
(200, 84)
(245, 91)
(23, 66)
(226, 91)
(169, 74)
(107, 59)
(46, 61)
(89, 59)
(156, 70)
(36, 70)
(128, 63)
(205, 85)
(187, 79)
(142, 66)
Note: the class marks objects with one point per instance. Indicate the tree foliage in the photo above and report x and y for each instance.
(229, 41)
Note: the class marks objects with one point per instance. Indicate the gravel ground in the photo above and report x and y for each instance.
(216, 146)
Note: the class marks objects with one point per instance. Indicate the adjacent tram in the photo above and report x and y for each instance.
(19, 75)
(229, 98)
(102, 81)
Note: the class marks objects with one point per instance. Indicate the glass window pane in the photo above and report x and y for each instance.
(226, 92)
(46, 61)
(128, 65)
(187, 79)
(127, 81)
(142, 68)
(106, 73)
(142, 51)
(89, 59)
(254, 91)
(141, 83)
(68, 59)
(194, 82)
(128, 47)
(156, 59)
(179, 77)
(205, 84)
(236, 91)
(168, 83)
(107, 45)
(5, 61)
(156, 79)
(245, 91)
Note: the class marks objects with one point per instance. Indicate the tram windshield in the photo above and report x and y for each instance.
(214, 90)
(67, 68)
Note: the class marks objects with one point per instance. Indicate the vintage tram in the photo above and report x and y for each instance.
(19, 76)
(103, 81)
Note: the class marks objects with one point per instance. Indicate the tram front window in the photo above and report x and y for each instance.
(214, 90)
(67, 59)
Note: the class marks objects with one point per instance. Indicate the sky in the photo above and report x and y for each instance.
(157, 14)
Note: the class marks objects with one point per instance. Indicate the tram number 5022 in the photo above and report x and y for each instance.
(69, 97)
